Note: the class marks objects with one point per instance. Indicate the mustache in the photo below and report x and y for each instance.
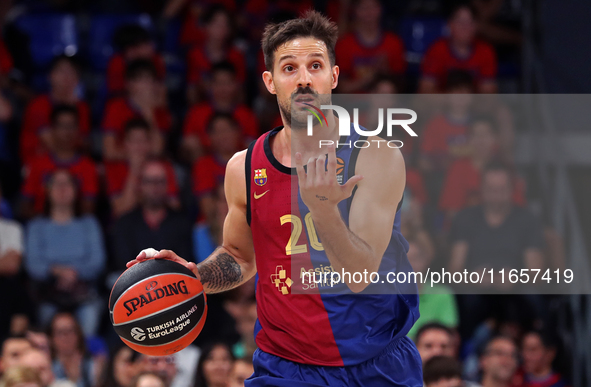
(305, 90)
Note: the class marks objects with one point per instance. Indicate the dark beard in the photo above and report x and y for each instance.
(285, 109)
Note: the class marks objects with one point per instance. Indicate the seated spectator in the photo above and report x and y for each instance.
(133, 42)
(436, 303)
(241, 370)
(63, 133)
(224, 99)
(123, 176)
(368, 50)
(217, 47)
(64, 82)
(186, 366)
(123, 367)
(142, 101)
(245, 324)
(14, 302)
(21, 377)
(209, 170)
(442, 371)
(70, 359)
(66, 255)
(433, 339)
(462, 183)
(461, 50)
(538, 351)
(444, 137)
(149, 379)
(215, 365)
(162, 366)
(498, 363)
(152, 223)
(207, 234)
(40, 362)
(12, 350)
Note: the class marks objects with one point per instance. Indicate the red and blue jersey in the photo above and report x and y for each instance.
(303, 322)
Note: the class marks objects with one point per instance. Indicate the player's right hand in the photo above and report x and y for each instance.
(151, 253)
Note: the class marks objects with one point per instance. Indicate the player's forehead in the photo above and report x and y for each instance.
(301, 48)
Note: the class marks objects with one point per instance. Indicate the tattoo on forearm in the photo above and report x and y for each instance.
(221, 273)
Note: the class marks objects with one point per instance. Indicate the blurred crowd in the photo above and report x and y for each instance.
(106, 149)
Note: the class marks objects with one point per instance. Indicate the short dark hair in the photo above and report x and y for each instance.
(462, 5)
(431, 326)
(441, 367)
(221, 116)
(139, 66)
(73, 61)
(223, 66)
(549, 339)
(136, 123)
(312, 23)
(457, 78)
(130, 35)
(58, 110)
(486, 348)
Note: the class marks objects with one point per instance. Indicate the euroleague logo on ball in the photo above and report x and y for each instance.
(138, 334)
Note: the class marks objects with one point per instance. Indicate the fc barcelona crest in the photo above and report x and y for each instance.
(260, 176)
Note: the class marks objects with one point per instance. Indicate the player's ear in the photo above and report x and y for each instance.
(335, 76)
(268, 79)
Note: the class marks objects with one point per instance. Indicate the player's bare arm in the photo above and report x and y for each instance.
(380, 177)
(233, 263)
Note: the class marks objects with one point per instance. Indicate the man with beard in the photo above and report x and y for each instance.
(351, 222)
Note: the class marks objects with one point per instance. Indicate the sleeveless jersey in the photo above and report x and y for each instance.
(316, 328)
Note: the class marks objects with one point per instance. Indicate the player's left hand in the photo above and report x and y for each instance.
(319, 187)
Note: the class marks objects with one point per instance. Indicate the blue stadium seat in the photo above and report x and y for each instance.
(417, 34)
(50, 34)
(100, 37)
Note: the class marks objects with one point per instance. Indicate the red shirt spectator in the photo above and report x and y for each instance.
(116, 173)
(208, 173)
(120, 110)
(358, 60)
(36, 119)
(40, 170)
(5, 59)
(441, 58)
(199, 64)
(441, 136)
(116, 71)
(192, 33)
(462, 187)
(199, 115)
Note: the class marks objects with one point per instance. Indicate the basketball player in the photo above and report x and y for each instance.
(314, 339)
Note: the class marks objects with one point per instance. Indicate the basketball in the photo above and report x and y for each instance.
(157, 307)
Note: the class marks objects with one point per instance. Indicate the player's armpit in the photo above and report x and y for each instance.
(375, 202)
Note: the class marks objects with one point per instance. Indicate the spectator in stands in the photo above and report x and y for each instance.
(241, 370)
(64, 82)
(217, 47)
(214, 366)
(149, 379)
(437, 303)
(538, 351)
(207, 234)
(434, 339)
(444, 137)
(245, 324)
(123, 367)
(123, 176)
(209, 170)
(498, 363)
(13, 349)
(152, 223)
(461, 50)
(14, 302)
(368, 50)
(64, 155)
(70, 359)
(40, 361)
(223, 99)
(66, 255)
(142, 101)
(162, 366)
(20, 377)
(442, 371)
(133, 42)
(462, 183)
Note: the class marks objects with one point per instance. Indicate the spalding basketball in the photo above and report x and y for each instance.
(158, 307)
